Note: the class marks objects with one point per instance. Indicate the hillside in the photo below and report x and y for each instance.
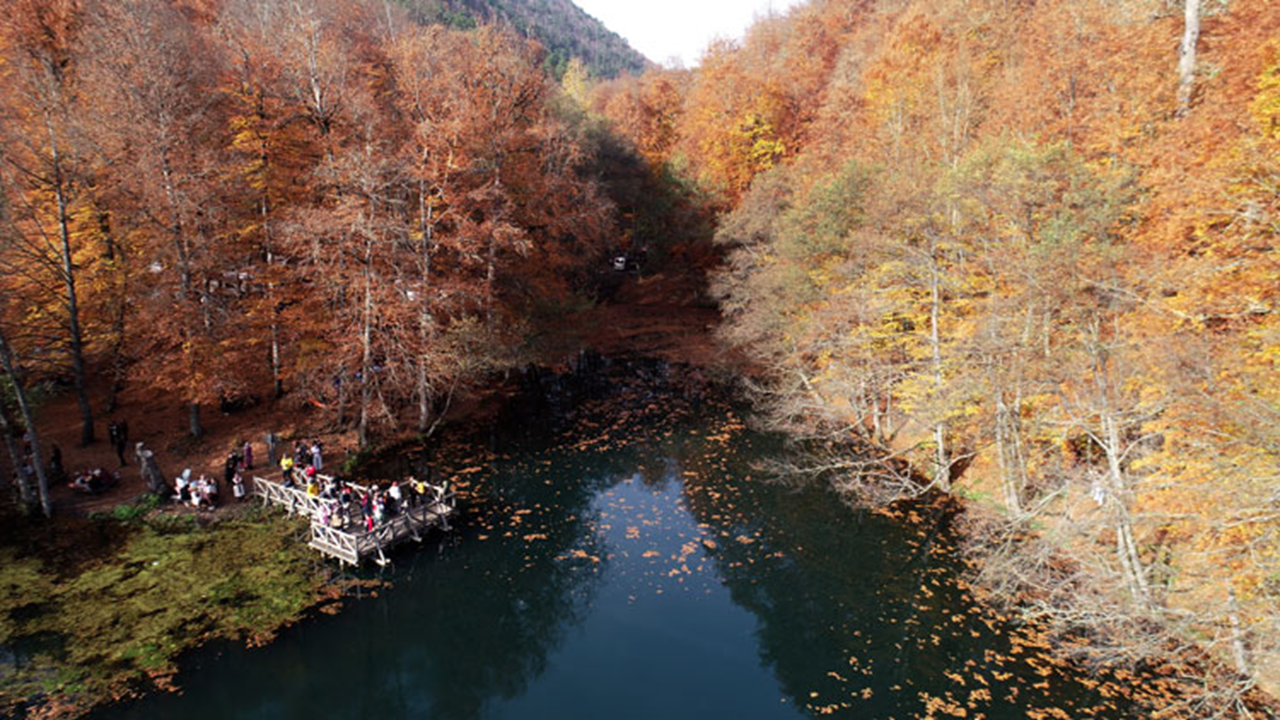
(565, 29)
(1031, 249)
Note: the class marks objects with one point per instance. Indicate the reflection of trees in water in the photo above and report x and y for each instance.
(474, 644)
(860, 586)
(494, 616)
(471, 642)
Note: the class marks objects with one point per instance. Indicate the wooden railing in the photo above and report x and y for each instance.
(343, 544)
(293, 500)
(335, 543)
(352, 547)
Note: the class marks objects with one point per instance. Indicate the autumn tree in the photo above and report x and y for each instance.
(40, 158)
(1055, 293)
(164, 136)
(272, 148)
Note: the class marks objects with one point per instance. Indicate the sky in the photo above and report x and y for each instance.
(666, 29)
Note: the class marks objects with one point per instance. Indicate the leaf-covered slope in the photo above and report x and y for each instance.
(565, 29)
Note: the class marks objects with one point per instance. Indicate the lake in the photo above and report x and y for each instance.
(621, 554)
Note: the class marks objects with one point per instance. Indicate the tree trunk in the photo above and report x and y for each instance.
(69, 284)
(1126, 545)
(7, 429)
(116, 255)
(277, 380)
(342, 398)
(151, 471)
(890, 429)
(942, 474)
(1187, 57)
(873, 399)
(277, 383)
(1118, 490)
(28, 418)
(1006, 450)
(183, 248)
(426, 212)
(1239, 647)
(491, 268)
(366, 357)
(193, 416)
(118, 369)
(490, 272)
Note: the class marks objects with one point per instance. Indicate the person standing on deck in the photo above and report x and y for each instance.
(317, 455)
(247, 451)
(286, 470)
(396, 505)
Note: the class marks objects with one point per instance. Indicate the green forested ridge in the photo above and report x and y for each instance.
(565, 29)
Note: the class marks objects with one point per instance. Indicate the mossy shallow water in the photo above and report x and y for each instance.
(74, 637)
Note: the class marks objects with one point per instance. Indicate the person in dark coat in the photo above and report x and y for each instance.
(118, 432)
(56, 470)
(229, 469)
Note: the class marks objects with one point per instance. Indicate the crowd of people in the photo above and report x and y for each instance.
(300, 467)
(89, 480)
(201, 493)
(348, 506)
(345, 505)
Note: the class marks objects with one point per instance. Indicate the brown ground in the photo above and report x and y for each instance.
(659, 315)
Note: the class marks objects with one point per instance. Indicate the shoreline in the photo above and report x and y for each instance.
(682, 341)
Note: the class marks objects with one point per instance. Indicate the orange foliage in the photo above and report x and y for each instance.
(319, 196)
(985, 227)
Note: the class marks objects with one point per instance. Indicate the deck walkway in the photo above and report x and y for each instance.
(353, 546)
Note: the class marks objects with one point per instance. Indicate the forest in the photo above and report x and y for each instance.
(318, 198)
(1023, 253)
(1020, 255)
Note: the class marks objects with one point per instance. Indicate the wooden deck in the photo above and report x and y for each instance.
(350, 545)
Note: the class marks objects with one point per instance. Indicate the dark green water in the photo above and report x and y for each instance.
(619, 558)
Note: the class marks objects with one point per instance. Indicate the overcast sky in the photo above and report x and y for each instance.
(663, 29)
